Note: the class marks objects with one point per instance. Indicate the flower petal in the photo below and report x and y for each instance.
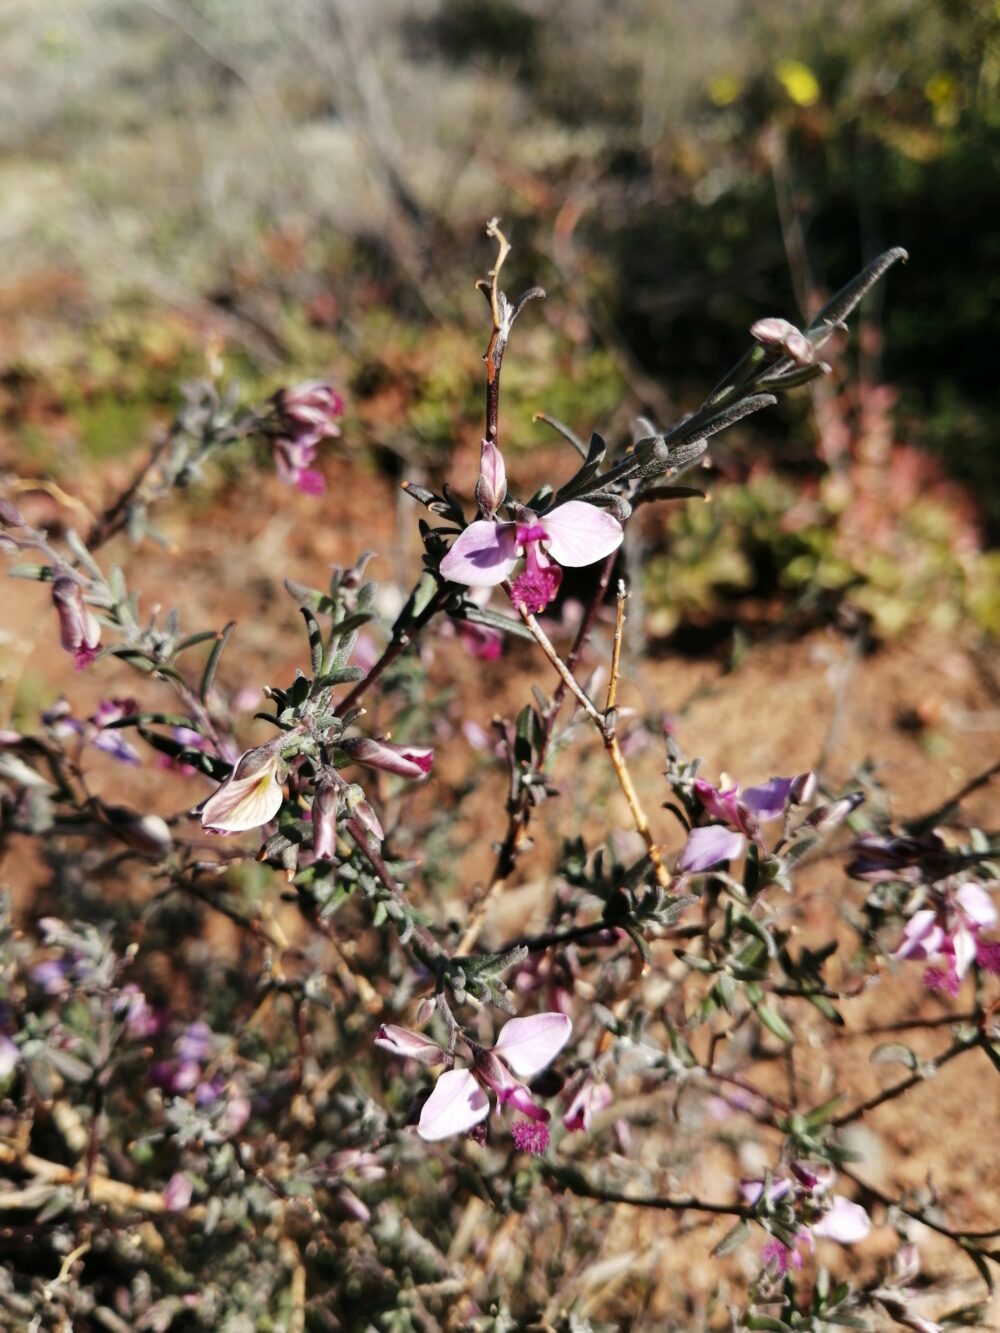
(577, 533)
(846, 1222)
(483, 555)
(768, 801)
(922, 936)
(977, 905)
(408, 1045)
(243, 803)
(529, 1044)
(456, 1104)
(706, 847)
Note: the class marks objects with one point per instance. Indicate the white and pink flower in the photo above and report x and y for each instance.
(948, 936)
(249, 797)
(459, 1101)
(573, 535)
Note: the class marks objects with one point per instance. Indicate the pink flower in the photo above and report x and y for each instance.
(405, 761)
(303, 419)
(249, 797)
(79, 631)
(949, 933)
(845, 1222)
(459, 1102)
(574, 534)
(807, 1211)
(591, 1098)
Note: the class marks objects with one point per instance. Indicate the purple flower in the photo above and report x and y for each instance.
(249, 797)
(79, 631)
(110, 739)
(405, 761)
(949, 934)
(741, 814)
(574, 534)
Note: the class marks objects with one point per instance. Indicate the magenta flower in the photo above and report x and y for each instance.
(459, 1103)
(574, 534)
(949, 933)
(249, 797)
(405, 761)
(79, 631)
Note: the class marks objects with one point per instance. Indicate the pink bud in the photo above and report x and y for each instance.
(491, 487)
(780, 338)
(405, 761)
(79, 632)
(408, 1045)
(177, 1194)
(324, 821)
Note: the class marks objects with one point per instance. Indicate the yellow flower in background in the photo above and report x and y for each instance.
(798, 81)
(724, 89)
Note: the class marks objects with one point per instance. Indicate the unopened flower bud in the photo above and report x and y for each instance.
(148, 834)
(779, 338)
(324, 821)
(79, 631)
(405, 761)
(491, 487)
(408, 1045)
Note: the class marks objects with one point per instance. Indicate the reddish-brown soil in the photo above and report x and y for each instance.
(925, 710)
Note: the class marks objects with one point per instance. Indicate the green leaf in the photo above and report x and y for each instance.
(214, 657)
(732, 1240)
(315, 639)
(774, 1022)
(894, 1053)
(822, 1113)
(767, 1323)
(840, 306)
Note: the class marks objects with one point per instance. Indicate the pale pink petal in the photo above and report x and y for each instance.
(922, 936)
(706, 847)
(963, 943)
(529, 1044)
(846, 1222)
(590, 1098)
(243, 803)
(977, 905)
(577, 534)
(408, 1045)
(483, 555)
(456, 1104)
